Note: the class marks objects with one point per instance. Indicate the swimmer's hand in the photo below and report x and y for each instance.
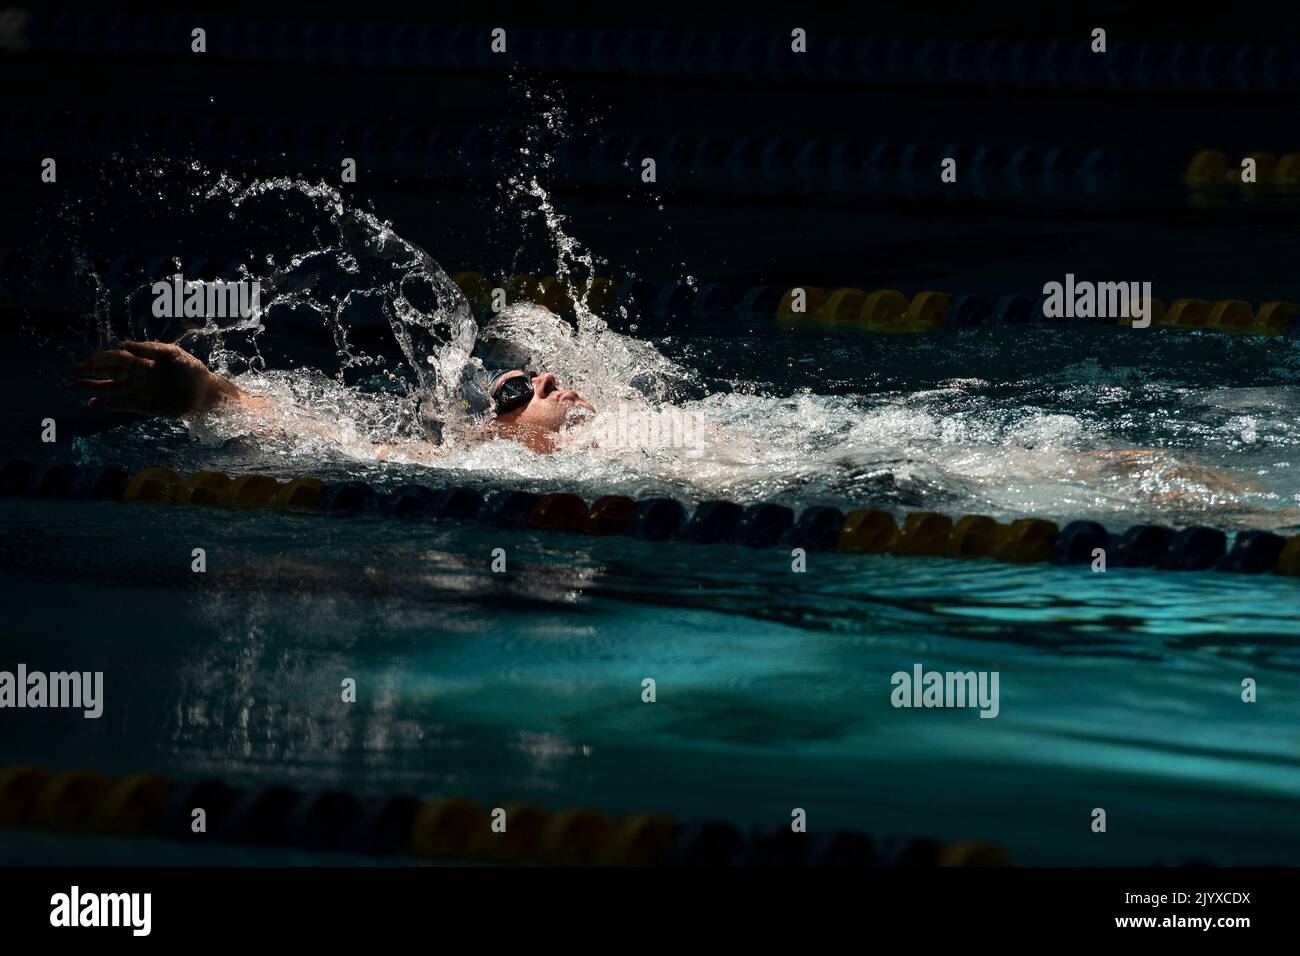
(153, 378)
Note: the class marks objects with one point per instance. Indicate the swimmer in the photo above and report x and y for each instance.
(160, 379)
(530, 407)
(163, 380)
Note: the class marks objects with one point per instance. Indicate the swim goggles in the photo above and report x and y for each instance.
(514, 392)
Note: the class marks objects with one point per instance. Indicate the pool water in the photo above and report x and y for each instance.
(1120, 691)
(1120, 426)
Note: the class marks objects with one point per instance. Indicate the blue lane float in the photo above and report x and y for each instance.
(1046, 64)
(272, 815)
(817, 528)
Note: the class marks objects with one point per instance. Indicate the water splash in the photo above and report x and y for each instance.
(101, 306)
(365, 273)
(360, 273)
(1060, 442)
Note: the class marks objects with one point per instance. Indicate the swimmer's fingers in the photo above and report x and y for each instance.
(115, 364)
(113, 404)
(152, 350)
(112, 396)
(100, 384)
(110, 357)
(113, 358)
(131, 357)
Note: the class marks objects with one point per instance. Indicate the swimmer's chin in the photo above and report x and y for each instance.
(533, 437)
(539, 439)
(544, 438)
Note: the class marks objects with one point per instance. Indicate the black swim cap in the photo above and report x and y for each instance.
(475, 389)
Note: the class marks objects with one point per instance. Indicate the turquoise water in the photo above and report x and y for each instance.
(1119, 691)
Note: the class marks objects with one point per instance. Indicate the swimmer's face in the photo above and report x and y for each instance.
(545, 409)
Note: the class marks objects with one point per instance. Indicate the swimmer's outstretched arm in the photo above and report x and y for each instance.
(155, 378)
(161, 379)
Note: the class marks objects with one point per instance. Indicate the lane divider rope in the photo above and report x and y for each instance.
(889, 59)
(881, 310)
(763, 525)
(772, 165)
(451, 828)
(1210, 167)
(847, 308)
